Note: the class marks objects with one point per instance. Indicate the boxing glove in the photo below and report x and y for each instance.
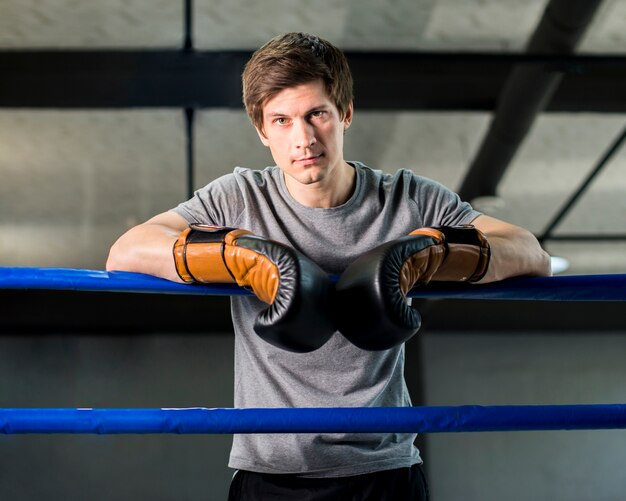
(467, 253)
(297, 291)
(371, 306)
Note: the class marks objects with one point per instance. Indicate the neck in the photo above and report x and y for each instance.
(327, 194)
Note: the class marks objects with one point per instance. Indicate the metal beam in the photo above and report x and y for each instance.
(565, 209)
(526, 93)
(383, 80)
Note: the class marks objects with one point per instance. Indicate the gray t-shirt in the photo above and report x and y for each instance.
(382, 207)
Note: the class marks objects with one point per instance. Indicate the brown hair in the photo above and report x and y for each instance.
(294, 59)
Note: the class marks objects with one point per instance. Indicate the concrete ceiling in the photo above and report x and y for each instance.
(71, 181)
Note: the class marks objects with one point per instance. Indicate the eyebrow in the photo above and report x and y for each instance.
(323, 107)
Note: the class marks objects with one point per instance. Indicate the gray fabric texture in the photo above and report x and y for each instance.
(383, 207)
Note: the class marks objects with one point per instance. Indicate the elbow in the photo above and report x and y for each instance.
(539, 263)
(545, 268)
(112, 262)
(118, 258)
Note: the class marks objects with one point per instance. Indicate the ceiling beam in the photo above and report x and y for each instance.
(526, 93)
(582, 189)
(435, 81)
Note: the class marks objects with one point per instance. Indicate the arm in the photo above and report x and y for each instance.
(147, 248)
(297, 291)
(514, 251)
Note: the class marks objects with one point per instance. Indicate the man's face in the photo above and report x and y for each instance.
(303, 130)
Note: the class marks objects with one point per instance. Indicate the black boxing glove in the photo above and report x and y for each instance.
(371, 308)
(298, 292)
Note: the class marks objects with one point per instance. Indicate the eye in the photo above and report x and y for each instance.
(280, 121)
(317, 113)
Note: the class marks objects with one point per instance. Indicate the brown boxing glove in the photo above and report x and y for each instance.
(467, 253)
(297, 291)
(210, 254)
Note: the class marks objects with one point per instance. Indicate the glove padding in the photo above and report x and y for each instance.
(372, 311)
(298, 292)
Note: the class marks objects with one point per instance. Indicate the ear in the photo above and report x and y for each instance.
(347, 120)
(262, 137)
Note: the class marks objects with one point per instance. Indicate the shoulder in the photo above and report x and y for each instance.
(428, 186)
(222, 200)
(402, 179)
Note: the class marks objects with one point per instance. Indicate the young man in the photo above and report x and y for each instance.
(298, 94)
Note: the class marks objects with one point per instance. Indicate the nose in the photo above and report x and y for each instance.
(303, 134)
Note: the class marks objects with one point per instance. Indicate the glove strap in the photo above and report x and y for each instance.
(180, 261)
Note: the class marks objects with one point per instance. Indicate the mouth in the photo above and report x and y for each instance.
(310, 160)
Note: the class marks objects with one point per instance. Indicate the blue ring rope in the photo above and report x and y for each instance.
(610, 287)
(317, 420)
(468, 418)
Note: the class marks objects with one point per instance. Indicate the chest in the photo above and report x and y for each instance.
(333, 239)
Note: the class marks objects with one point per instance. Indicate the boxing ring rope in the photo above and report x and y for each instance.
(611, 287)
(470, 418)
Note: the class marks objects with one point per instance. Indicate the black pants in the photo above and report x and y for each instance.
(397, 485)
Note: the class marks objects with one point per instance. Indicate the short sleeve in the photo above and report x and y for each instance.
(440, 206)
(220, 202)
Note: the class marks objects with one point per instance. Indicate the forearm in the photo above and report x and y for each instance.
(147, 248)
(514, 252)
